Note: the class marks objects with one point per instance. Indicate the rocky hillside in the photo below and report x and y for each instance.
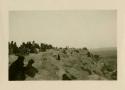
(69, 64)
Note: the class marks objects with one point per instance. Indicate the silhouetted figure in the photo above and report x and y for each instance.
(16, 70)
(58, 58)
(30, 70)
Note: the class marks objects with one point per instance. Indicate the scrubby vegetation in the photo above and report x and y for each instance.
(55, 63)
(28, 47)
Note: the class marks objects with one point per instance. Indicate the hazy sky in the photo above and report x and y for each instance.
(93, 29)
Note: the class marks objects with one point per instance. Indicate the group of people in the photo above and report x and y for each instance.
(17, 70)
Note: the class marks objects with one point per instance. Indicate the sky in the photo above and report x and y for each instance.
(78, 28)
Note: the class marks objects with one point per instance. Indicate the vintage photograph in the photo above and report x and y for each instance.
(62, 45)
